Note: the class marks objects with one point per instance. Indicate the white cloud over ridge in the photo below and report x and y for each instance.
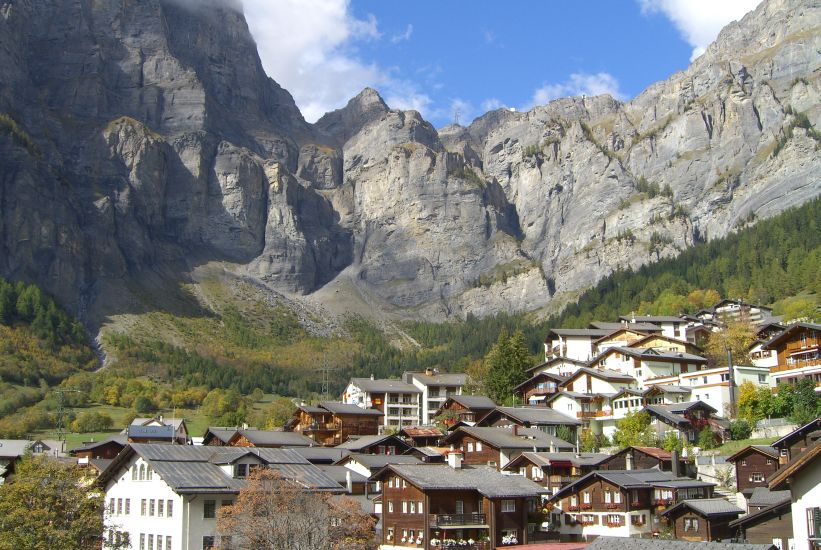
(699, 21)
(578, 84)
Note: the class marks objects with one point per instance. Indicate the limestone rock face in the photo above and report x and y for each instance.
(145, 136)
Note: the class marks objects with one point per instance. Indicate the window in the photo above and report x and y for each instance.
(508, 506)
(574, 500)
(119, 506)
(148, 473)
(690, 524)
(607, 497)
(134, 473)
(209, 508)
(151, 507)
(460, 507)
(241, 470)
(167, 543)
(617, 497)
(743, 461)
(150, 542)
(614, 519)
(586, 497)
(111, 506)
(419, 507)
(412, 507)
(762, 378)
(725, 377)
(757, 478)
(159, 542)
(390, 533)
(404, 507)
(143, 504)
(380, 450)
(142, 472)
(769, 461)
(470, 447)
(392, 450)
(160, 508)
(207, 543)
(128, 506)
(390, 506)
(142, 540)
(783, 452)
(404, 483)
(226, 503)
(168, 506)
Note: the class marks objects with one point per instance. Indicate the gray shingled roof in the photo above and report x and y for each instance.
(545, 459)
(486, 481)
(614, 326)
(375, 462)
(636, 479)
(340, 473)
(14, 448)
(651, 318)
(474, 401)
(439, 379)
(707, 507)
(538, 415)
(365, 441)
(626, 543)
(503, 438)
(348, 408)
(89, 445)
(607, 374)
(317, 455)
(590, 332)
(762, 496)
(384, 385)
(282, 439)
(654, 354)
(151, 432)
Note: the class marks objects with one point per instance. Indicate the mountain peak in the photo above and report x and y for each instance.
(362, 109)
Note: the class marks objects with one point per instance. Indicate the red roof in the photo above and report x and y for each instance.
(421, 432)
(655, 452)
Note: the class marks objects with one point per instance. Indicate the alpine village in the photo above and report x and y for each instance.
(589, 323)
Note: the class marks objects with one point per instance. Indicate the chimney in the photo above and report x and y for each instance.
(349, 482)
(454, 458)
(161, 422)
(244, 425)
(675, 464)
(515, 429)
(429, 371)
(371, 376)
(628, 460)
(552, 448)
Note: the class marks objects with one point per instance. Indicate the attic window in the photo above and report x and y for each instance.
(240, 470)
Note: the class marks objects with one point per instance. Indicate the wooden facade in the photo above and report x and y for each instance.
(766, 526)
(453, 411)
(477, 452)
(641, 458)
(688, 524)
(329, 428)
(753, 465)
(796, 442)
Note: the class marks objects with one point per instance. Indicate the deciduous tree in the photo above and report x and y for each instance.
(634, 430)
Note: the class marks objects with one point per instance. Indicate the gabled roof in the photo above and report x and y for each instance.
(545, 459)
(555, 377)
(602, 374)
(262, 438)
(197, 469)
(321, 455)
(762, 496)
(375, 462)
(809, 457)
(223, 434)
(652, 354)
(672, 413)
(655, 452)
(654, 319)
(355, 444)
(765, 450)
(486, 481)
(420, 431)
(798, 433)
(535, 416)
(151, 432)
(438, 378)
(706, 507)
(670, 339)
(788, 332)
(614, 326)
(474, 401)
(558, 359)
(384, 385)
(337, 407)
(780, 509)
(13, 448)
(340, 474)
(626, 543)
(504, 438)
(668, 388)
(634, 479)
(579, 332)
(142, 421)
(118, 439)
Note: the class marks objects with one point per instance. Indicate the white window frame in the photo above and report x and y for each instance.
(508, 505)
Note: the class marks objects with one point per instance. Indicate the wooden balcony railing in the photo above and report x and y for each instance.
(456, 520)
(796, 365)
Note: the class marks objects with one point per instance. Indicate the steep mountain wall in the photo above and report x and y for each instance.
(141, 137)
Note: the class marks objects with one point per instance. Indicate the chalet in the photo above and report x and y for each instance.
(466, 408)
(497, 446)
(320, 455)
(598, 380)
(797, 441)
(573, 343)
(376, 445)
(398, 401)
(771, 524)
(157, 429)
(429, 455)
(171, 493)
(763, 497)
(664, 342)
(438, 505)
(802, 477)
(12, 450)
(554, 470)
(436, 387)
(421, 436)
(765, 357)
(686, 419)
(539, 387)
(543, 418)
(612, 326)
(106, 448)
(641, 458)
(622, 503)
(705, 519)
(354, 483)
(368, 465)
(620, 337)
(671, 326)
(735, 309)
(753, 465)
(648, 365)
(798, 354)
(330, 423)
(251, 437)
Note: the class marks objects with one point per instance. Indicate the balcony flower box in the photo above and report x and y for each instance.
(573, 508)
(613, 524)
(635, 504)
(612, 505)
(662, 502)
(587, 506)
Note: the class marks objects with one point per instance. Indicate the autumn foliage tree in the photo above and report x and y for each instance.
(737, 336)
(275, 513)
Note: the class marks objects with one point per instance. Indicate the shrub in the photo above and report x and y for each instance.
(740, 429)
(707, 439)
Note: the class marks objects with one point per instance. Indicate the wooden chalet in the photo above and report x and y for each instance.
(438, 505)
(554, 470)
(330, 423)
(799, 353)
(539, 387)
(753, 465)
(797, 441)
(641, 458)
(464, 408)
(705, 519)
(376, 445)
(543, 418)
(422, 436)
(251, 437)
(105, 448)
(766, 526)
(497, 446)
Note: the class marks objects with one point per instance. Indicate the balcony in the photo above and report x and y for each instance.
(663, 502)
(591, 414)
(637, 521)
(796, 365)
(459, 520)
(612, 505)
(330, 426)
(451, 543)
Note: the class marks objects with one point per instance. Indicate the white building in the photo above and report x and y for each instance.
(398, 400)
(671, 326)
(436, 387)
(166, 497)
(802, 476)
(573, 343)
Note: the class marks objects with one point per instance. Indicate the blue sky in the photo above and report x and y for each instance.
(470, 56)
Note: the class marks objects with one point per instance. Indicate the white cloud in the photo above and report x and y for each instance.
(402, 37)
(699, 21)
(411, 100)
(306, 46)
(491, 104)
(577, 84)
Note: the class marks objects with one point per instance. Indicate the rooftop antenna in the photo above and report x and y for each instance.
(456, 114)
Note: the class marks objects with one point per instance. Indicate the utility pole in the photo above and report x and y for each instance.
(61, 435)
(731, 379)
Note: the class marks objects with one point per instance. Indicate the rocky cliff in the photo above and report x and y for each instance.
(143, 138)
